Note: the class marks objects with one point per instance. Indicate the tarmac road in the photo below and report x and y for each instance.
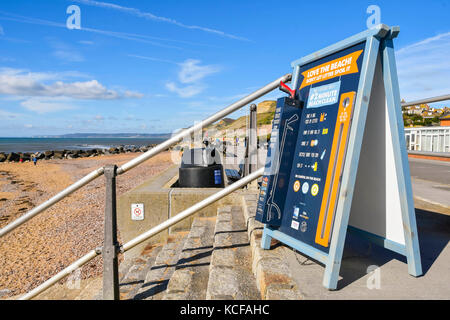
(431, 184)
(430, 170)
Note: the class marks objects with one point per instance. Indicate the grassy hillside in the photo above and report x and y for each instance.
(264, 116)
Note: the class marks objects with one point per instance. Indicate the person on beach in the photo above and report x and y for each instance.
(34, 158)
(21, 160)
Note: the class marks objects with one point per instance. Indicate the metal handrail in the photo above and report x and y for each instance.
(147, 155)
(146, 235)
(427, 100)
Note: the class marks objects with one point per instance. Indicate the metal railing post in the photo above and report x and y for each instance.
(110, 245)
(252, 140)
(246, 159)
(251, 152)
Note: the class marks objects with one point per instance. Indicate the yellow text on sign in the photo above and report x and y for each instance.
(328, 70)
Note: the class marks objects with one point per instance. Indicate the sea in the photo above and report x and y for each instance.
(8, 145)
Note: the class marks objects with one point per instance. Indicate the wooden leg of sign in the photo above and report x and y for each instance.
(401, 158)
(266, 239)
(333, 264)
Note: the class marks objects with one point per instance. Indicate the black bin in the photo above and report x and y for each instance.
(199, 169)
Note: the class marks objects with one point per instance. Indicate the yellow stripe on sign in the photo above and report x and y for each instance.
(332, 69)
(335, 166)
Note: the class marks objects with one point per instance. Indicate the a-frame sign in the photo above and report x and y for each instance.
(340, 162)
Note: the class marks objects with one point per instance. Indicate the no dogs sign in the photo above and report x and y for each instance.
(137, 211)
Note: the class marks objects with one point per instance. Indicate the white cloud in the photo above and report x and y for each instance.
(184, 92)
(86, 42)
(133, 94)
(191, 75)
(192, 72)
(35, 84)
(120, 35)
(9, 115)
(65, 52)
(151, 58)
(46, 105)
(67, 55)
(151, 16)
(424, 68)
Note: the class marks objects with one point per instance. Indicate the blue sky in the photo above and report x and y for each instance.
(157, 66)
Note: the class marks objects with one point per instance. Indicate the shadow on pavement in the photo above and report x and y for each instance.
(359, 253)
(434, 235)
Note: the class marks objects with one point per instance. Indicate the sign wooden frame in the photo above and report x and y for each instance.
(378, 60)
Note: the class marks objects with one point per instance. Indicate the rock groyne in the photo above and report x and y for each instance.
(71, 154)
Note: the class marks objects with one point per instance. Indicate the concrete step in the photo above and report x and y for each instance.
(273, 275)
(158, 276)
(136, 271)
(190, 279)
(219, 258)
(230, 273)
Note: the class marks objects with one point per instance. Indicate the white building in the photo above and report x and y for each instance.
(431, 139)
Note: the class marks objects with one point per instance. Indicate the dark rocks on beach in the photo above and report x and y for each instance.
(71, 154)
(25, 156)
(113, 150)
(13, 157)
(48, 155)
(40, 155)
(58, 154)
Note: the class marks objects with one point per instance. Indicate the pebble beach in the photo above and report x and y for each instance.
(49, 242)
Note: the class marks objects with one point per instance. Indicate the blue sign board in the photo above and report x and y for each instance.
(292, 196)
(312, 164)
(324, 95)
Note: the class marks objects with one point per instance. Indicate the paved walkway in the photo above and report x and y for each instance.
(431, 182)
(395, 282)
(431, 189)
(432, 192)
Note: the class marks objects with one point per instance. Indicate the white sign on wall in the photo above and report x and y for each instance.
(137, 211)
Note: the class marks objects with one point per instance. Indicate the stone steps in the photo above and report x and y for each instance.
(158, 276)
(272, 273)
(131, 277)
(219, 258)
(230, 274)
(190, 279)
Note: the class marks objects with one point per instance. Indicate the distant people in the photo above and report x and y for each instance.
(21, 160)
(34, 158)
